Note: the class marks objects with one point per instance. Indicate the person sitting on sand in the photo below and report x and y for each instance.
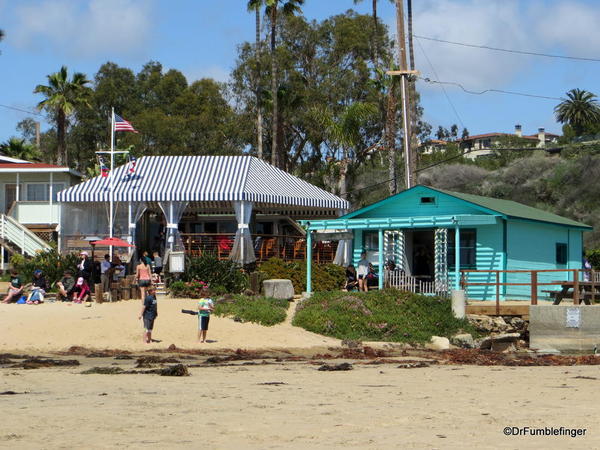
(81, 291)
(149, 313)
(38, 288)
(205, 307)
(15, 289)
(65, 286)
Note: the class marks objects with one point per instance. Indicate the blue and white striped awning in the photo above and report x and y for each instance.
(203, 179)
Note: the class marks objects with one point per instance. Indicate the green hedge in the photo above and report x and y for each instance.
(50, 262)
(388, 315)
(261, 310)
(325, 277)
(222, 275)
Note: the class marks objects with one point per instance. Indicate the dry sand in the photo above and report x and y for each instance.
(58, 326)
(373, 406)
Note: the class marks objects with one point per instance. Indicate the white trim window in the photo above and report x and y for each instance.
(40, 192)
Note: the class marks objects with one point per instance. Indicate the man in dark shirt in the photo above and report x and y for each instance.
(149, 312)
(15, 289)
(65, 286)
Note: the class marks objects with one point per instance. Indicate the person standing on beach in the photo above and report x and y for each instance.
(143, 276)
(205, 307)
(362, 271)
(149, 313)
(105, 273)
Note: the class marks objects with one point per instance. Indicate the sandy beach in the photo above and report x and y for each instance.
(264, 401)
(58, 326)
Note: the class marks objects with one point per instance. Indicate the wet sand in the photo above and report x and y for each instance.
(371, 406)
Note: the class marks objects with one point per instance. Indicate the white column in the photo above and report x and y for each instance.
(50, 192)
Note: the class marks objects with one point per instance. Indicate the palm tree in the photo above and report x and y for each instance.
(255, 5)
(20, 149)
(62, 97)
(345, 132)
(288, 8)
(579, 110)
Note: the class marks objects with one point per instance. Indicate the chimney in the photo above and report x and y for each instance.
(541, 137)
(518, 130)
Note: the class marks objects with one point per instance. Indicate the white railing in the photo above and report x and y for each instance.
(18, 235)
(400, 280)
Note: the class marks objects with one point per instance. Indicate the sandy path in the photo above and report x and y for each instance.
(369, 407)
(58, 326)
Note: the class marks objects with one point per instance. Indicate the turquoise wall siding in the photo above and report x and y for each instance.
(532, 246)
(411, 205)
(489, 256)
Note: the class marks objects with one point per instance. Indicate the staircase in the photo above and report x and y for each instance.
(161, 289)
(16, 238)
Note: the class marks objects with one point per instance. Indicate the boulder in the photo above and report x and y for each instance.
(282, 289)
(503, 347)
(464, 340)
(499, 324)
(438, 343)
(482, 323)
(488, 342)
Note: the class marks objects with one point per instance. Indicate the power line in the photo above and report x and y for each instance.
(441, 85)
(499, 91)
(21, 110)
(506, 50)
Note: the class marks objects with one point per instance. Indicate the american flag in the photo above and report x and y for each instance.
(122, 125)
(103, 169)
(132, 161)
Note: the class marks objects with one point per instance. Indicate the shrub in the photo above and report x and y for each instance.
(388, 315)
(326, 277)
(187, 289)
(262, 310)
(50, 262)
(593, 257)
(221, 275)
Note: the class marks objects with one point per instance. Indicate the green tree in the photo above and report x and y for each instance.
(288, 8)
(579, 109)
(346, 132)
(62, 96)
(20, 149)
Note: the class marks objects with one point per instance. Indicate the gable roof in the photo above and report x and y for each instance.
(203, 179)
(506, 208)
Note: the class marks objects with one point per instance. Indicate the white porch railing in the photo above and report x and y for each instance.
(20, 236)
(401, 280)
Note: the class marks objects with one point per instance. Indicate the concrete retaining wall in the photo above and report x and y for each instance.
(548, 327)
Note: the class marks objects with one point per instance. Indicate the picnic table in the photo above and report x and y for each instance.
(587, 290)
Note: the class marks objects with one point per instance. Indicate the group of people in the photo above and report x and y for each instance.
(362, 276)
(34, 292)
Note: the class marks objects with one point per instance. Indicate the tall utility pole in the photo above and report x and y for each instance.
(403, 73)
(412, 97)
(37, 135)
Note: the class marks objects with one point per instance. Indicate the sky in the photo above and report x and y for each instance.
(200, 38)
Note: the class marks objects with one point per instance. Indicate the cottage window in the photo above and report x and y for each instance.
(561, 253)
(468, 248)
(37, 192)
(428, 200)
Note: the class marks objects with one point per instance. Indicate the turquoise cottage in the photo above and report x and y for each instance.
(415, 234)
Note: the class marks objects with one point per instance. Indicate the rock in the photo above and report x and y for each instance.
(351, 343)
(503, 347)
(487, 342)
(249, 293)
(481, 323)
(282, 289)
(464, 340)
(518, 324)
(438, 343)
(499, 324)
(178, 370)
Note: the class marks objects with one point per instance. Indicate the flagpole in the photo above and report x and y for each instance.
(110, 174)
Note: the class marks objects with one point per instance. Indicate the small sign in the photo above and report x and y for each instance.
(176, 262)
(573, 317)
(337, 236)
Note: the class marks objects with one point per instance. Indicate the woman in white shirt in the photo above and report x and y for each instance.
(362, 270)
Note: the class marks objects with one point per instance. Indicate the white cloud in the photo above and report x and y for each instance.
(545, 26)
(91, 28)
(215, 72)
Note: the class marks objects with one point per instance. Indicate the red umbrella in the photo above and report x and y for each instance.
(113, 242)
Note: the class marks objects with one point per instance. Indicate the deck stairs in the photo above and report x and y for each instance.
(16, 238)
(161, 289)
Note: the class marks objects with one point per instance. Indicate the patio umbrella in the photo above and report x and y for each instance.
(113, 242)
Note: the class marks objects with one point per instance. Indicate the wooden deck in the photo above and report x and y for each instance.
(507, 308)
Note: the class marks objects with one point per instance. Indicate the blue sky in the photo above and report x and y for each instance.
(199, 37)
